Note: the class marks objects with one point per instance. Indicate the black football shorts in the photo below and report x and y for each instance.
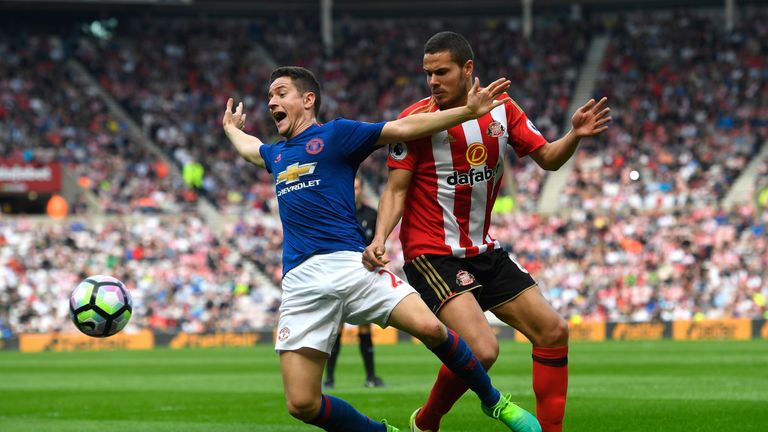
(492, 277)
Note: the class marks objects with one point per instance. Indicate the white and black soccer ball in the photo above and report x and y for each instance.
(100, 306)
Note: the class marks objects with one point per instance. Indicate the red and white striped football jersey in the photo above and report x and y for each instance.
(456, 177)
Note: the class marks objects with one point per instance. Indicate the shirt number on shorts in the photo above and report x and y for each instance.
(396, 282)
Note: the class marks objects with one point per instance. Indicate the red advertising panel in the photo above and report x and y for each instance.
(23, 177)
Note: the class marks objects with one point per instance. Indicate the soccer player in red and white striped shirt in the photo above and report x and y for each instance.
(450, 182)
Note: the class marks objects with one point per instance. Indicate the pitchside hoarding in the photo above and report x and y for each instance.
(726, 329)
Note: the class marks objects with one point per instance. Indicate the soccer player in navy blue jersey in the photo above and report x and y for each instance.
(324, 280)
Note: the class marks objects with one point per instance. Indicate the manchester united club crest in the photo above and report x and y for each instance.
(464, 278)
(495, 129)
(284, 333)
(315, 146)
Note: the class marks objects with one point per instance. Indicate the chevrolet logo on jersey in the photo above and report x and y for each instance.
(294, 171)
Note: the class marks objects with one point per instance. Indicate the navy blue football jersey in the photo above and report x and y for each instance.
(314, 176)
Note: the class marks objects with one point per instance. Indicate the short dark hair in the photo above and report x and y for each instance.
(456, 44)
(302, 78)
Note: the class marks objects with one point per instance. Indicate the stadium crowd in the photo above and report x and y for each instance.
(658, 247)
(49, 114)
(176, 90)
(181, 277)
(694, 263)
(684, 93)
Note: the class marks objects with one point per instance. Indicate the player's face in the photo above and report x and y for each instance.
(448, 81)
(289, 108)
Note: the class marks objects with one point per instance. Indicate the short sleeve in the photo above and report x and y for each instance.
(356, 139)
(266, 153)
(402, 155)
(524, 137)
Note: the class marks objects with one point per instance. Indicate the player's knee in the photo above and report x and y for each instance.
(431, 332)
(487, 353)
(556, 335)
(302, 408)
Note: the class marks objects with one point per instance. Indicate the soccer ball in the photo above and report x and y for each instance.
(100, 306)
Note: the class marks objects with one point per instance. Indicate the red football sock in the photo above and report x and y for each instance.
(447, 389)
(550, 384)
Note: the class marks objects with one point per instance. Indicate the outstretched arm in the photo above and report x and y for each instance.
(247, 145)
(480, 100)
(391, 207)
(589, 120)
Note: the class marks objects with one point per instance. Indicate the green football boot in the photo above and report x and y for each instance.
(514, 417)
(415, 428)
(389, 427)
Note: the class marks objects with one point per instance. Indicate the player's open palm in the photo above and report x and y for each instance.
(481, 100)
(232, 120)
(591, 119)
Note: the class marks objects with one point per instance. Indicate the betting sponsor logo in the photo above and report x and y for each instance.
(638, 331)
(584, 331)
(78, 342)
(587, 331)
(473, 176)
(476, 154)
(495, 129)
(188, 340)
(740, 329)
(398, 151)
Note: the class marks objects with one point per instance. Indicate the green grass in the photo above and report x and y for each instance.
(614, 386)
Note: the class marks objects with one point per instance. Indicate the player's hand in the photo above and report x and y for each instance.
(374, 255)
(233, 121)
(591, 119)
(481, 100)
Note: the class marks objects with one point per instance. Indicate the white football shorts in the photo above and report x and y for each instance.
(326, 290)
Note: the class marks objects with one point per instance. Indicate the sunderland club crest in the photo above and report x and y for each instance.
(464, 278)
(495, 129)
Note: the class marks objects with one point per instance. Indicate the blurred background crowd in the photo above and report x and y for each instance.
(641, 233)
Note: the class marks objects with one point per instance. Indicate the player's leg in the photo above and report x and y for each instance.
(381, 297)
(310, 315)
(463, 314)
(330, 368)
(444, 283)
(414, 317)
(366, 352)
(531, 314)
(302, 372)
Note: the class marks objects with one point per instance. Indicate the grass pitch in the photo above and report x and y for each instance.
(614, 386)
